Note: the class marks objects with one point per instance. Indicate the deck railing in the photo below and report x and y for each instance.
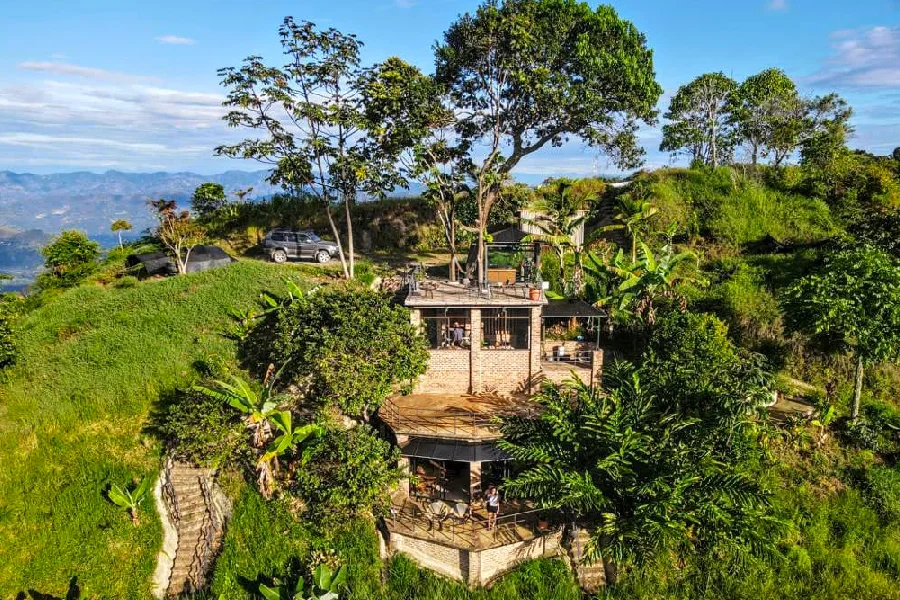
(435, 421)
(468, 532)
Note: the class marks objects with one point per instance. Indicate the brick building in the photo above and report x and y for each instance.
(487, 357)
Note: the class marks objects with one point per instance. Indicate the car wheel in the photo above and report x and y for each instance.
(279, 256)
(322, 256)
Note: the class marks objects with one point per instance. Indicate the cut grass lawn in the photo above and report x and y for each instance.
(91, 365)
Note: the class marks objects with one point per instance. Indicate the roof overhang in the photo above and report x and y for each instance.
(453, 450)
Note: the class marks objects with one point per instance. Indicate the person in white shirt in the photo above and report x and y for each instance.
(493, 506)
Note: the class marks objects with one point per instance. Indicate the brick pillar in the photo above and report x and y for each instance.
(536, 348)
(474, 481)
(596, 368)
(404, 466)
(473, 577)
(475, 353)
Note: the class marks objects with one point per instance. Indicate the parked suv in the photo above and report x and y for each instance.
(281, 244)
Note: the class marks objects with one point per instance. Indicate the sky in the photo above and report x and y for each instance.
(117, 84)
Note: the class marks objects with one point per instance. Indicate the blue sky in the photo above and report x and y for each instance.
(107, 84)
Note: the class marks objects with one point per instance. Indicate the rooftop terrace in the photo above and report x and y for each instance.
(432, 293)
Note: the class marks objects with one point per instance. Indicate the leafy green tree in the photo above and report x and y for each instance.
(286, 442)
(853, 303)
(879, 230)
(326, 585)
(255, 406)
(348, 474)
(201, 429)
(636, 474)
(408, 115)
(522, 74)
(69, 258)
(177, 230)
(769, 115)
(130, 499)
(312, 124)
(321, 337)
(700, 122)
(207, 199)
(118, 226)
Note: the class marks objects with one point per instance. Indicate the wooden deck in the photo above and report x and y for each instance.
(452, 416)
(517, 522)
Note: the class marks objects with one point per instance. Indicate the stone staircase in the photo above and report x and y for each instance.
(591, 577)
(198, 513)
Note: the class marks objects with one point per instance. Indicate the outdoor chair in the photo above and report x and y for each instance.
(437, 512)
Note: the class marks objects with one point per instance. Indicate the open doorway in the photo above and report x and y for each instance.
(440, 480)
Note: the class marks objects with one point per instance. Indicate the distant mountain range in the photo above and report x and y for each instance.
(91, 201)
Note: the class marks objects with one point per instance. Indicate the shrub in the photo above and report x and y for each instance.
(351, 347)
(7, 347)
(348, 473)
(200, 429)
(69, 259)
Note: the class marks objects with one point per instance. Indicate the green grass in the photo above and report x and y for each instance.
(92, 362)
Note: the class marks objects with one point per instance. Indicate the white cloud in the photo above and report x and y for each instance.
(863, 58)
(777, 5)
(176, 40)
(67, 69)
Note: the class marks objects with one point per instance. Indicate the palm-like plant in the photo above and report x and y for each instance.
(325, 586)
(634, 214)
(626, 467)
(289, 438)
(130, 499)
(560, 214)
(652, 277)
(256, 406)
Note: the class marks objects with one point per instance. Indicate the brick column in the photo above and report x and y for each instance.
(596, 368)
(404, 466)
(475, 380)
(415, 317)
(473, 576)
(474, 481)
(536, 347)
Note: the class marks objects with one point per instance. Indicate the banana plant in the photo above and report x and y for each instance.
(291, 436)
(129, 499)
(239, 394)
(325, 586)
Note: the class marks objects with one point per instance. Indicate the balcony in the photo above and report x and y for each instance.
(452, 416)
(457, 526)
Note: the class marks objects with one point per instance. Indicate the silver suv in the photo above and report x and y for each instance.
(282, 244)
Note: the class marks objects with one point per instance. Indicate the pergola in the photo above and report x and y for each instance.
(572, 312)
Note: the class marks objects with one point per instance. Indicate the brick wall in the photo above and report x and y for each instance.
(474, 567)
(478, 369)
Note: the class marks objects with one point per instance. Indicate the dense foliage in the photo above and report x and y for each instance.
(200, 429)
(660, 461)
(348, 474)
(68, 259)
(319, 338)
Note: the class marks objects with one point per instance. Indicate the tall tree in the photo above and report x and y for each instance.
(311, 121)
(118, 226)
(768, 114)
(699, 120)
(410, 120)
(853, 303)
(522, 74)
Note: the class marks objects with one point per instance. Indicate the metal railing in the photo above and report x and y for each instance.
(205, 551)
(469, 532)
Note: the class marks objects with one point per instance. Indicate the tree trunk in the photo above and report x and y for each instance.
(857, 388)
(452, 230)
(337, 238)
(347, 214)
(119, 233)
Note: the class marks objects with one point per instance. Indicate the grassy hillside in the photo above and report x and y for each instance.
(91, 365)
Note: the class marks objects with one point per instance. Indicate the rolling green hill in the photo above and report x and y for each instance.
(91, 365)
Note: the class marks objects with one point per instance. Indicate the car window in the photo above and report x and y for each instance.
(314, 237)
(302, 239)
(276, 237)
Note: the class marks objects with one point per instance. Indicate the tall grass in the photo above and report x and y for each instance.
(92, 362)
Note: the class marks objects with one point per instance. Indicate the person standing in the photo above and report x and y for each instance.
(493, 506)
(458, 334)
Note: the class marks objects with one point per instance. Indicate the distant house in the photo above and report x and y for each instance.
(201, 258)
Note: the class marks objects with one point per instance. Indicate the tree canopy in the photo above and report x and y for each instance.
(853, 302)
